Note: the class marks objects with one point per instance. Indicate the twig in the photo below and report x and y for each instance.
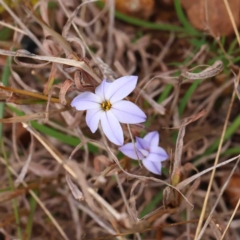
(214, 170)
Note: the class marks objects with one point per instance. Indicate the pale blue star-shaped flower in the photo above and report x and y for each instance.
(147, 150)
(108, 107)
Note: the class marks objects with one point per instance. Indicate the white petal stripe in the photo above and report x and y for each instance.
(159, 151)
(152, 138)
(128, 112)
(131, 151)
(142, 144)
(121, 88)
(153, 157)
(101, 89)
(112, 128)
(86, 100)
(154, 167)
(92, 118)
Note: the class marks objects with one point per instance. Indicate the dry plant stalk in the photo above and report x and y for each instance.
(209, 72)
(214, 170)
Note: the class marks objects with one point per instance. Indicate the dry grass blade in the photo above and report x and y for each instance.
(132, 202)
(29, 65)
(187, 181)
(31, 94)
(232, 20)
(190, 119)
(6, 196)
(21, 24)
(236, 84)
(230, 220)
(171, 197)
(158, 107)
(215, 230)
(71, 21)
(76, 173)
(110, 49)
(176, 170)
(96, 218)
(217, 201)
(209, 72)
(214, 170)
(107, 206)
(24, 170)
(55, 223)
(62, 42)
(191, 190)
(74, 189)
(70, 62)
(9, 219)
(12, 27)
(30, 117)
(76, 217)
(123, 194)
(54, 152)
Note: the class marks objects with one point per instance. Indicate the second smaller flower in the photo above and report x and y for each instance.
(147, 150)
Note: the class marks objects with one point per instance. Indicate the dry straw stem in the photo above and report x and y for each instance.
(123, 194)
(132, 231)
(65, 45)
(75, 215)
(22, 25)
(218, 199)
(232, 20)
(230, 220)
(12, 27)
(31, 94)
(70, 62)
(110, 48)
(76, 175)
(96, 217)
(55, 223)
(77, 194)
(24, 170)
(30, 117)
(27, 31)
(176, 171)
(73, 16)
(209, 72)
(187, 181)
(214, 170)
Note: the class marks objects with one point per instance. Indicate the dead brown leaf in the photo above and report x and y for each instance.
(135, 8)
(232, 191)
(211, 15)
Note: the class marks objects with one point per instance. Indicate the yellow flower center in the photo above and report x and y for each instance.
(106, 105)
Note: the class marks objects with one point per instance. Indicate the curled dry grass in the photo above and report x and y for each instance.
(60, 181)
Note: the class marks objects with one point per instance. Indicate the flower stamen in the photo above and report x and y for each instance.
(106, 105)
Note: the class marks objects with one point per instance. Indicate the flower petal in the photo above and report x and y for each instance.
(102, 89)
(86, 100)
(154, 167)
(162, 154)
(92, 118)
(142, 144)
(128, 112)
(121, 88)
(144, 152)
(157, 156)
(112, 128)
(152, 138)
(131, 151)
